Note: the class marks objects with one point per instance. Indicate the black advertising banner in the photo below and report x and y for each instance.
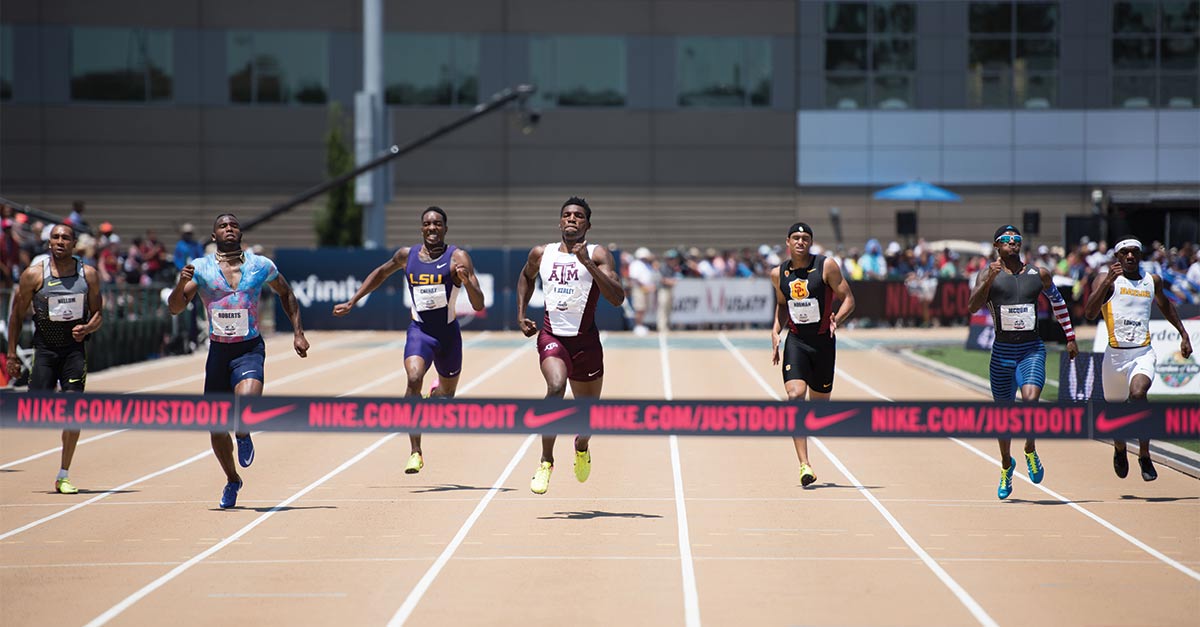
(629, 417)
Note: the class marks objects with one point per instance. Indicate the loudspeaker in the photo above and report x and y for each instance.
(1031, 222)
(906, 223)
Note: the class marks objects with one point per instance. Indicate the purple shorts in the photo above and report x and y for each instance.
(583, 353)
(443, 348)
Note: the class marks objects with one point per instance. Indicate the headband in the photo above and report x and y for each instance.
(1128, 243)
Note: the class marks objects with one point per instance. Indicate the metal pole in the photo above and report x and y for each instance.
(373, 138)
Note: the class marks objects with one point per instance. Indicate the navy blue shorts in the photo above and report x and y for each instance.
(231, 363)
(443, 348)
(1015, 366)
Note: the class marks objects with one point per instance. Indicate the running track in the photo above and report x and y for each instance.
(667, 531)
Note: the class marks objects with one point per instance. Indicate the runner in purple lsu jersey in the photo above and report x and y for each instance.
(229, 283)
(574, 276)
(435, 272)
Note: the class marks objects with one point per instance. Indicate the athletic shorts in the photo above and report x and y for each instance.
(810, 360)
(443, 348)
(1014, 366)
(231, 363)
(55, 367)
(583, 353)
(1120, 365)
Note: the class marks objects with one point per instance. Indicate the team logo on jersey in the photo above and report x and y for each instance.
(425, 279)
(799, 288)
(564, 272)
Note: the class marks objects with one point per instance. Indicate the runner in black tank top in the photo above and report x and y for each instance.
(806, 287)
(67, 306)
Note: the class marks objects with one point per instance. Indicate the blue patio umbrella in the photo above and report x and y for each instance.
(917, 191)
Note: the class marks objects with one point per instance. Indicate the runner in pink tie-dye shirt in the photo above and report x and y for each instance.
(229, 283)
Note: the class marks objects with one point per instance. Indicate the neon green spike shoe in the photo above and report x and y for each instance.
(807, 476)
(583, 465)
(64, 486)
(415, 464)
(541, 479)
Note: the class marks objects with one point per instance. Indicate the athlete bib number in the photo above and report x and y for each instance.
(1018, 317)
(230, 322)
(1131, 331)
(66, 308)
(564, 298)
(428, 297)
(805, 311)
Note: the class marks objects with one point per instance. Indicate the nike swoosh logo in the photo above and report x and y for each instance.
(533, 421)
(443, 265)
(251, 417)
(49, 283)
(74, 380)
(1105, 424)
(592, 374)
(813, 422)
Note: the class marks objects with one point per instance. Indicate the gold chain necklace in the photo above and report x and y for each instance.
(239, 255)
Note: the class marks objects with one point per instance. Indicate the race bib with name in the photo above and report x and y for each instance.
(805, 311)
(429, 297)
(1018, 317)
(1131, 331)
(230, 322)
(564, 298)
(66, 308)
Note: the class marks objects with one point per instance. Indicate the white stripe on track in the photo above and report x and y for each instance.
(57, 449)
(128, 601)
(959, 592)
(691, 593)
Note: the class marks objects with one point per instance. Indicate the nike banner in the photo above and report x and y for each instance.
(1092, 419)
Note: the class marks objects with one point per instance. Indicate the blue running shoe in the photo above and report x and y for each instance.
(245, 451)
(1006, 476)
(1034, 464)
(229, 495)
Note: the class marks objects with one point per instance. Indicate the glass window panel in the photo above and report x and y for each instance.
(988, 91)
(1037, 17)
(1134, 91)
(1037, 54)
(846, 92)
(132, 64)
(894, 55)
(894, 17)
(6, 61)
(1180, 53)
(846, 54)
(990, 17)
(1035, 91)
(723, 71)
(893, 92)
(1133, 54)
(1181, 17)
(1134, 17)
(846, 17)
(579, 71)
(1180, 91)
(431, 69)
(277, 67)
(989, 54)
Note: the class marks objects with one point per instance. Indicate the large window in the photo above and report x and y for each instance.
(870, 55)
(1156, 54)
(6, 62)
(123, 64)
(723, 71)
(431, 69)
(1012, 54)
(579, 70)
(277, 67)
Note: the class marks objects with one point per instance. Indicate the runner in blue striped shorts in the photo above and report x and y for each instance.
(1010, 289)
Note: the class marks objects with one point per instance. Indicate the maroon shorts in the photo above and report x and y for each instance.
(583, 353)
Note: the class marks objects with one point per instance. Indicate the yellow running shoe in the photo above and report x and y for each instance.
(807, 475)
(583, 465)
(541, 479)
(415, 464)
(63, 486)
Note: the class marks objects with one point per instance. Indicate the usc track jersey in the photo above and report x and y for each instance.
(808, 297)
(567, 285)
(1127, 312)
(232, 313)
(431, 288)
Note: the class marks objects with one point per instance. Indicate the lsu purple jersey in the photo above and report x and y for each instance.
(432, 289)
(232, 313)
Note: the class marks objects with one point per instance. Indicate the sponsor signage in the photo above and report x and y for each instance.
(711, 301)
(641, 417)
(1173, 373)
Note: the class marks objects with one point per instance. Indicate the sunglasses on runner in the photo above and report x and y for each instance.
(1009, 239)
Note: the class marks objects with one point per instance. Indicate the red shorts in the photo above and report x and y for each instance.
(583, 353)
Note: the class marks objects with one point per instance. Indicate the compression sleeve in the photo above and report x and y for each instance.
(1060, 310)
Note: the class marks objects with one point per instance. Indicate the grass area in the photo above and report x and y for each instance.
(976, 363)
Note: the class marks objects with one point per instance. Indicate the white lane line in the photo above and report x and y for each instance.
(963, 596)
(418, 591)
(1102, 522)
(278, 595)
(128, 601)
(691, 593)
(57, 449)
